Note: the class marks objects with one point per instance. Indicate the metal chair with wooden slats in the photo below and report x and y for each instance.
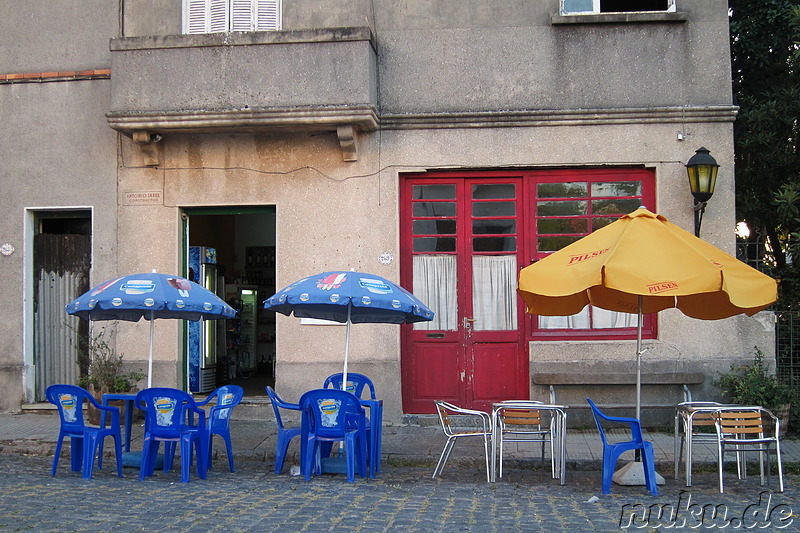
(742, 429)
(476, 424)
(691, 418)
(522, 422)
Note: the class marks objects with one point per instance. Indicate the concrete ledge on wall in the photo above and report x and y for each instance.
(301, 118)
(559, 117)
(614, 392)
(249, 38)
(620, 378)
(619, 18)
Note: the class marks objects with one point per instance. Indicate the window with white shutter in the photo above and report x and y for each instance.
(218, 16)
(268, 15)
(213, 16)
(242, 18)
(195, 16)
(577, 7)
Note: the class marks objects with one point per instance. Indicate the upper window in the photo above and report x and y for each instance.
(214, 16)
(565, 207)
(570, 7)
(568, 211)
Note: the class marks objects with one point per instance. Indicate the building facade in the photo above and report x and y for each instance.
(443, 145)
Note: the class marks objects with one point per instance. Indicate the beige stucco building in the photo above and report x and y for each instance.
(308, 145)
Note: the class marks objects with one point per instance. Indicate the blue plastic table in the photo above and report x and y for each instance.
(129, 458)
(336, 465)
(129, 400)
(376, 430)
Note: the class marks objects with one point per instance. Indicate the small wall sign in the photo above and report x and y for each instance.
(143, 198)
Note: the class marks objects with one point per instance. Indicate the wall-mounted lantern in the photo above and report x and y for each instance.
(702, 169)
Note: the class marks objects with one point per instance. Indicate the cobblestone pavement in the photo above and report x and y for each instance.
(402, 497)
(399, 499)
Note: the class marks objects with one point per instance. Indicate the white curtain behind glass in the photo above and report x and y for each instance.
(610, 319)
(435, 284)
(599, 319)
(494, 295)
(579, 321)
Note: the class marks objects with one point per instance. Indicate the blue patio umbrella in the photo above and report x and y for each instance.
(349, 297)
(149, 296)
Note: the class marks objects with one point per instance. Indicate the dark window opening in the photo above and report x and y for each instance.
(616, 6)
(64, 223)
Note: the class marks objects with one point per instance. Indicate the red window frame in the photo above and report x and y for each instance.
(528, 236)
(585, 175)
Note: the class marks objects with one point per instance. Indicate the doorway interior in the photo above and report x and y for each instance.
(62, 251)
(241, 351)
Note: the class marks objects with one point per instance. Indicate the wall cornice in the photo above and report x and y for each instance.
(559, 117)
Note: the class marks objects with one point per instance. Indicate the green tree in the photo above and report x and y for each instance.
(766, 86)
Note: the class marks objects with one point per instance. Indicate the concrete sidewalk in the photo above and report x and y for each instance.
(405, 445)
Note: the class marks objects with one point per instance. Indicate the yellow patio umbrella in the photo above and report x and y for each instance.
(642, 263)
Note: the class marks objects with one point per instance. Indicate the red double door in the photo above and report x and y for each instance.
(461, 244)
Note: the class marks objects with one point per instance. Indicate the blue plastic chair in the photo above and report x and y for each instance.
(219, 418)
(612, 451)
(167, 420)
(331, 415)
(355, 384)
(85, 441)
(285, 435)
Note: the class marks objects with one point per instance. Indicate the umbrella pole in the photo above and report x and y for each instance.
(639, 363)
(150, 357)
(639, 370)
(346, 347)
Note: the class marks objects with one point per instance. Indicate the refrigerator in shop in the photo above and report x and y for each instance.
(201, 342)
(246, 361)
(242, 333)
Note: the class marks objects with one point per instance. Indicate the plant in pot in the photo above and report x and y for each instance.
(753, 384)
(102, 370)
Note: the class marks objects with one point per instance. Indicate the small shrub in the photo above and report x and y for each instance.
(101, 365)
(752, 384)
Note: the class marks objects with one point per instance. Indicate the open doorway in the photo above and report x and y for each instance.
(232, 251)
(62, 250)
